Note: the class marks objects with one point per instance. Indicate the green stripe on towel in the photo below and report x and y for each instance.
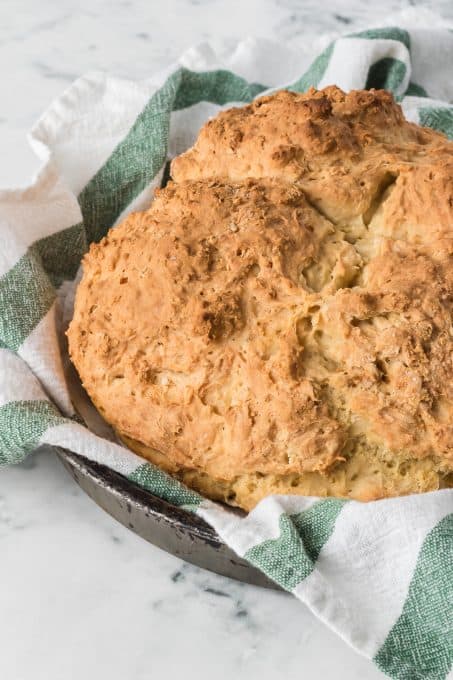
(291, 557)
(61, 253)
(386, 33)
(438, 118)
(386, 74)
(26, 295)
(420, 644)
(140, 155)
(162, 485)
(22, 424)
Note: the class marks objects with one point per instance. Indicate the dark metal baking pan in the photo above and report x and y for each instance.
(173, 529)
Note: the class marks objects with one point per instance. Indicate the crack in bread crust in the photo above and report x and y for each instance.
(279, 320)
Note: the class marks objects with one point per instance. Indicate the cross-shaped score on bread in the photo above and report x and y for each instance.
(279, 319)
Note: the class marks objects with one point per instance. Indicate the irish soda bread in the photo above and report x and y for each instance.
(280, 319)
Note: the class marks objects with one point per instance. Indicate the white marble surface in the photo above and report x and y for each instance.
(81, 596)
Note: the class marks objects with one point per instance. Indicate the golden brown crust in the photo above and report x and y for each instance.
(280, 319)
(363, 476)
(341, 148)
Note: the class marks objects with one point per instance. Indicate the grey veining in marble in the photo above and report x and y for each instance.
(81, 597)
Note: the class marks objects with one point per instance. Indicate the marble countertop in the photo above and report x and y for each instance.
(81, 596)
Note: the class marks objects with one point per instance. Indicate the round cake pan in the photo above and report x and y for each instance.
(177, 531)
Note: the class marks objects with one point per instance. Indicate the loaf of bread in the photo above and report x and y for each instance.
(280, 319)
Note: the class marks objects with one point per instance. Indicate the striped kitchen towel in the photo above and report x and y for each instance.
(380, 574)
